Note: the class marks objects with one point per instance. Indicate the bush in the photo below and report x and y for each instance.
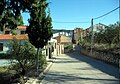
(70, 46)
(4, 56)
(22, 54)
(42, 61)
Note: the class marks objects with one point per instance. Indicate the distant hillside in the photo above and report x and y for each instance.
(60, 30)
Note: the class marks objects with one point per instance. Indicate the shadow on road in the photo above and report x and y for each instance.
(106, 68)
(59, 78)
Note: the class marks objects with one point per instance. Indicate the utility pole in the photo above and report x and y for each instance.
(92, 37)
(119, 12)
(119, 21)
(119, 31)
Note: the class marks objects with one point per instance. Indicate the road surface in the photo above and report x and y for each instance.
(74, 68)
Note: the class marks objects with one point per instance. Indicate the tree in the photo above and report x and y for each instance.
(20, 20)
(1, 7)
(22, 54)
(110, 35)
(19, 5)
(8, 20)
(10, 16)
(10, 12)
(40, 27)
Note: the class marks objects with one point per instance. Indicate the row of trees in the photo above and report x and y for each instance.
(39, 29)
(109, 37)
(106, 44)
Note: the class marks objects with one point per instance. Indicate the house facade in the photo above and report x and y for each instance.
(63, 39)
(98, 27)
(77, 34)
(6, 36)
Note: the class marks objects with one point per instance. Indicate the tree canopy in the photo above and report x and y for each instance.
(10, 15)
(109, 35)
(40, 27)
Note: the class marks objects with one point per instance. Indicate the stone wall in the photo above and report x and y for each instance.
(104, 55)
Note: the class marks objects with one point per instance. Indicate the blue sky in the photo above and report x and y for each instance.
(80, 11)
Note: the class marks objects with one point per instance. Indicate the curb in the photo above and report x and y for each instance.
(34, 80)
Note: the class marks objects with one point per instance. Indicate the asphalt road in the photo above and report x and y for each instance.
(74, 68)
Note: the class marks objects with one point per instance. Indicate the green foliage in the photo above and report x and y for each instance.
(8, 20)
(86, 40)
(13, 32)
(80, 43)
(22, 53)
(22, 57)
(42, 61)
(70, 46)
(20, 20)
(19, 5)
(110, 35)
(10, 13)
(107, 37)
(1, 7)
(40, 27)
(21, 50)
(4, 56)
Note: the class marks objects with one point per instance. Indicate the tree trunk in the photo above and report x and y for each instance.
(22, 79)
(37, 61)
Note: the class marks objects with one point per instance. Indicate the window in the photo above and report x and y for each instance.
(1, 46)
(22, 32)
(7, 32)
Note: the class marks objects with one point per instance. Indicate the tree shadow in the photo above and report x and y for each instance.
(97, 64)
(59, 78)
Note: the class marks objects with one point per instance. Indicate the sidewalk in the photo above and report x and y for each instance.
(78, 69)
(38, 79)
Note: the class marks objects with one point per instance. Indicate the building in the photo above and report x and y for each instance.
(6, 36)
(86, 32)
(68, 33)
(20, 30)
(63, 39)
(77, 34)
(98, 27)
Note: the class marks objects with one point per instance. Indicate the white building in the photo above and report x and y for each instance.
(6, 37)
(98, 27)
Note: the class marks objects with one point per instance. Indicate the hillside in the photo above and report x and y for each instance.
(60, 30)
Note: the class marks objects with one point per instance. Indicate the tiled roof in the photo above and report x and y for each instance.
(21, 37)
(22, 27)
(10, 37)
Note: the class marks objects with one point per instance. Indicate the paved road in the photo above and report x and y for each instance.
(73, 68)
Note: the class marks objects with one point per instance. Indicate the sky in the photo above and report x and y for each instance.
(71, 14)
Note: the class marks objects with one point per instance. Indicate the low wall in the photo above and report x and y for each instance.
(104, 55)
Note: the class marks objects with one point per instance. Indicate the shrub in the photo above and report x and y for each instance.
(4, 56)
(70, 46)
(42, 61)
(22, 54)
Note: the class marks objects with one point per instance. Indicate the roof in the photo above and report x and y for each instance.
(11, 37)
(22, 27)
